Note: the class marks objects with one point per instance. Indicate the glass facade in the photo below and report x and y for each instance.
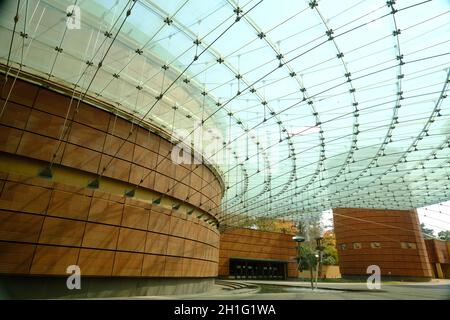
(301, 106)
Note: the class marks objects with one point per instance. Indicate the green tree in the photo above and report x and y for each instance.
(268, 224)
(426, 232)
(330, 254)
(444, 235)
(306, 259)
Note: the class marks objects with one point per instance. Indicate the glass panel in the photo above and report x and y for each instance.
(343, 104)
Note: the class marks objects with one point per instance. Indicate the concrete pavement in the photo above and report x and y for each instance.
(296, 290)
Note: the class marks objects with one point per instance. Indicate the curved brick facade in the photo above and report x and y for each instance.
(46, 225)
(32, 122)
(391, 239)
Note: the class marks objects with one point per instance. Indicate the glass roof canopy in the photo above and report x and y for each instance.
(301, 105)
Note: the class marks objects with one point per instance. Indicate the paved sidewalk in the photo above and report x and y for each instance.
(348, 285)
(298, 290)
(436, 289)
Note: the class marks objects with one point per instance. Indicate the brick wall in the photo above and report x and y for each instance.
(255, 244)
(438, 251)
(31, 126)
(401, 250)
(46, 226)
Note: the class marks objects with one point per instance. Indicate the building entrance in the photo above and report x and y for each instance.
(246, 269)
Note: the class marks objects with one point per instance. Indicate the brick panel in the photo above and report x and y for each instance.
(255, 244)
(387, 227)
(46, 226)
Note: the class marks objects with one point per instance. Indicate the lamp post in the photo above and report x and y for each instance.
(299, 239)
(319, 248)
(317, 266)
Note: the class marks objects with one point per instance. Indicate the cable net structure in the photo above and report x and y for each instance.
(300, 106)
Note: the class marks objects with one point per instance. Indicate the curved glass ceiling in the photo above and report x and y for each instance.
(301, 105)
